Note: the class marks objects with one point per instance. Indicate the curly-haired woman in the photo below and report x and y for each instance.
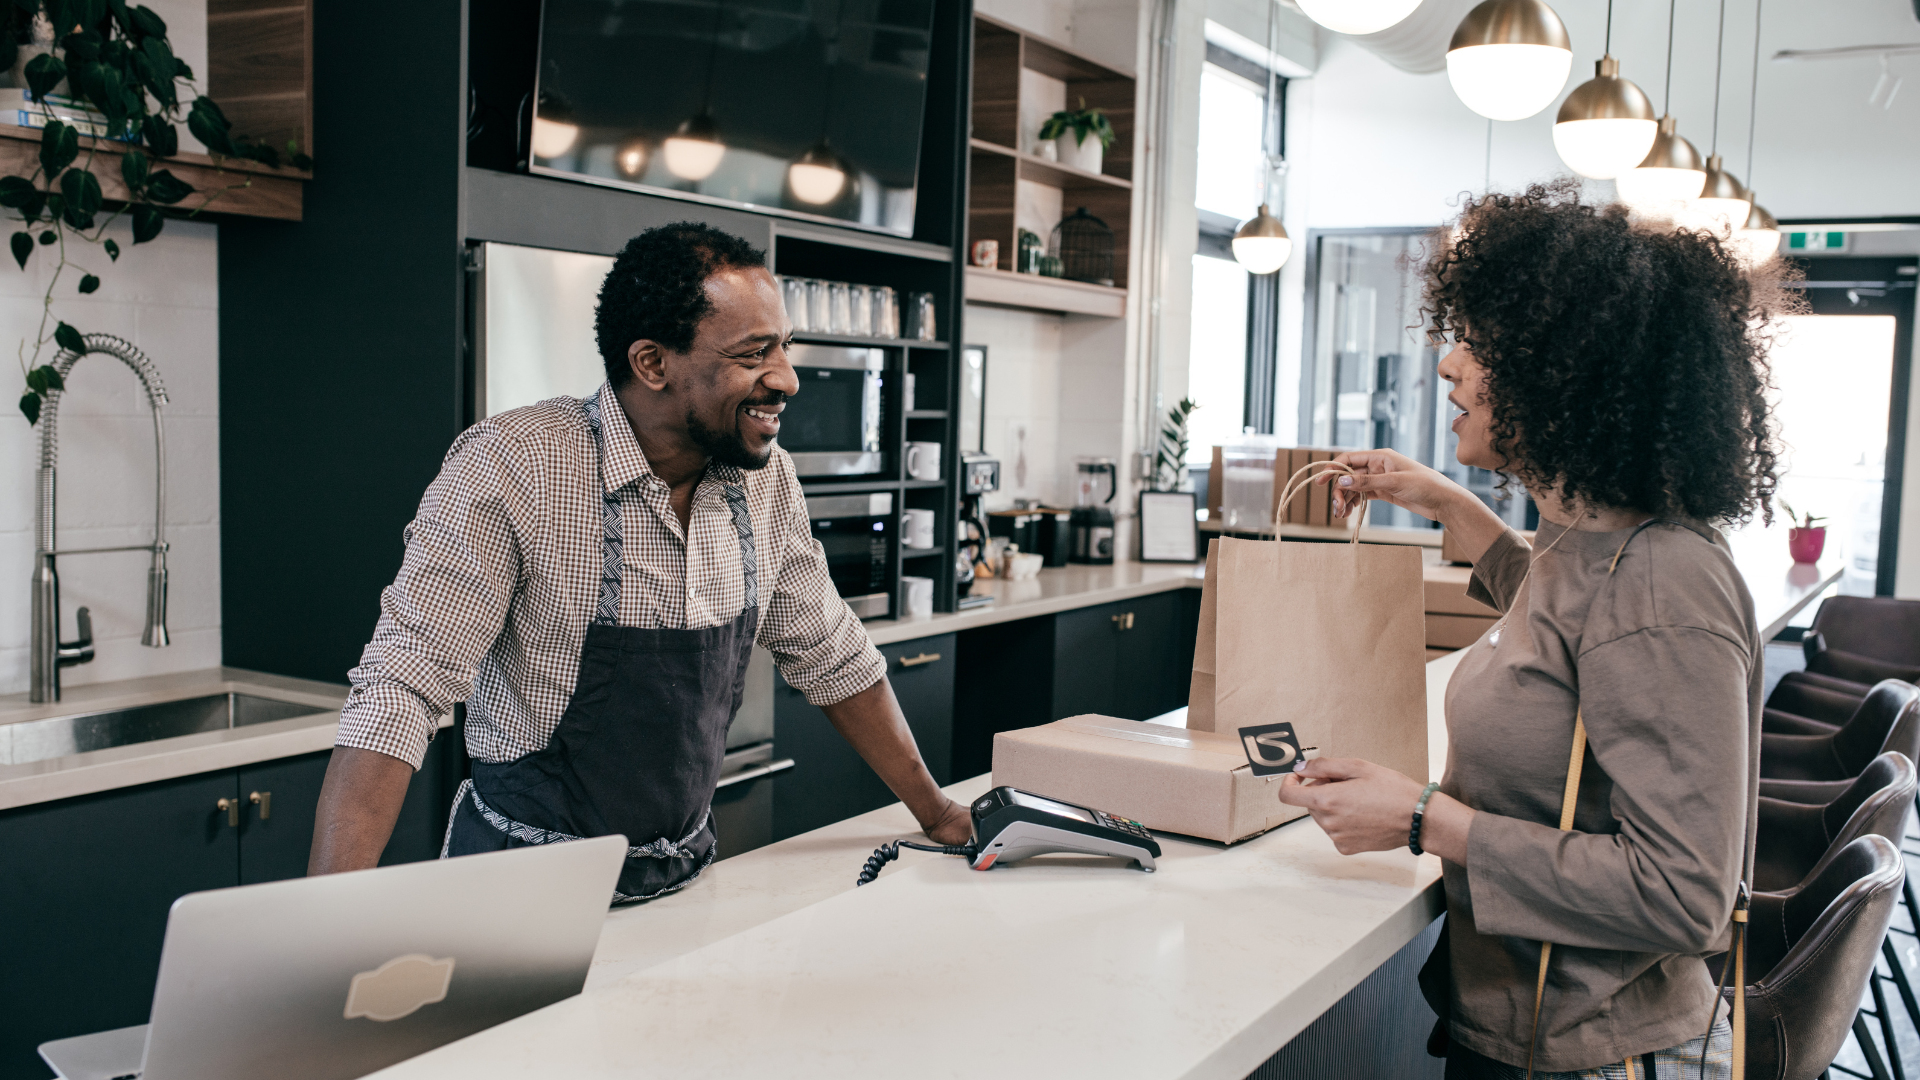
(1617, 373)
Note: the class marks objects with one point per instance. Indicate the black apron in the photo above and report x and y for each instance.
(639, 747)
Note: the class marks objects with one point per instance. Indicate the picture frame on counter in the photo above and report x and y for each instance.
(1169, 531)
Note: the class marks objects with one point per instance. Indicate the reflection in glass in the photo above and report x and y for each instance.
(809, 107)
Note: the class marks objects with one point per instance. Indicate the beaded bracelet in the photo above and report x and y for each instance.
(1420, 811)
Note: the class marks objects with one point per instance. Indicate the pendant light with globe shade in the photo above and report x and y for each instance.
(1509, 58)
(694, 149)
(1357, 16)
(1261, 243)
(1672, 172)
(1723, 204)
(1607, 125)
(554, 127)
(1758, 239)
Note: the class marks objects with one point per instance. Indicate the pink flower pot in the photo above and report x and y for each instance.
(1807, 544)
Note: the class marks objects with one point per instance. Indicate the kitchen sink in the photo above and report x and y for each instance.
(38, 740)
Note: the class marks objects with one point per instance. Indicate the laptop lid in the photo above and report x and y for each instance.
(333, 977)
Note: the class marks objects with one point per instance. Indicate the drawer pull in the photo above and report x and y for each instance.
(232, 807)
(263, 800)
(916, 661)
(1123, 621)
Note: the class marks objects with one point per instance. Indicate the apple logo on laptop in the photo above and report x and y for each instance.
(399, 987)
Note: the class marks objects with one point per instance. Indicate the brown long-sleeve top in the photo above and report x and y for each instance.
(1662, 658)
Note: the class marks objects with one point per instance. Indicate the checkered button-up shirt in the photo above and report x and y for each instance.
(502, 574)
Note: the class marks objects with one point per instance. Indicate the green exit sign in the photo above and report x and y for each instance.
(1816, 241)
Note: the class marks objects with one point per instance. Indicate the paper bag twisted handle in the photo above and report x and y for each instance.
(1297, 485)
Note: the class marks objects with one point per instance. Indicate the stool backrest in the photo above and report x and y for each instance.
(1885, 720)
(1877, 626)
(1816, 945)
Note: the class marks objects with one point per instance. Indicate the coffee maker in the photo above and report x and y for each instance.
(979, 474)
(1091, 524)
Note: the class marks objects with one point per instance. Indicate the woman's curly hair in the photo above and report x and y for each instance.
(1626, 366)
(657, 289)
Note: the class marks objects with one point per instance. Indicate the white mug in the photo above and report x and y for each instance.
(923, 460)
(916, 596)
(919, 529)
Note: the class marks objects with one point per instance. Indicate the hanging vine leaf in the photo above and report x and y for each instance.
(30, 407)
(146, 222)
(44, 72)
(88, 283)
(113, 249)
(15, 191)
(160, 136)
(210, 126)
(45, 379)
(134, 167)
(82, 190)
(59, 145)
(48, 237)
(68, 338)
(166, 189)
(22, 244)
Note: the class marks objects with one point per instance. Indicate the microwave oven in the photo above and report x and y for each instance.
(832, 426)
(856, 535)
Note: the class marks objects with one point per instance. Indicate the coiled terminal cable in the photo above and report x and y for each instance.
(886, 853)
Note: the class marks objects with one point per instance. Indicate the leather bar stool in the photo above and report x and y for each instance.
(1814, 946)
(1800, 706)
(1794, 837)
(1864, 639)
(1882, 722)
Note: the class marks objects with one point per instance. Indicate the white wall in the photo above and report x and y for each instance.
(163, 297)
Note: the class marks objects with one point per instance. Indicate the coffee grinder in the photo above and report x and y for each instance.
(979, 474)
(1092, 523)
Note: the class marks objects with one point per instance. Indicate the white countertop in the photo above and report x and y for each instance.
(774, 964)
(1061, 588)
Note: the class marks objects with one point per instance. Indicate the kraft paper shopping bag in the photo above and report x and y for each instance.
(1328, 637)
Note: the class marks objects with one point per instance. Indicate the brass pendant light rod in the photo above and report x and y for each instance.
(1719, 53)
(1666, 101)
(1607, 50)
(1753, 92)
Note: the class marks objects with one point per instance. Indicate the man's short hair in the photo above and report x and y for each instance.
(656, 290)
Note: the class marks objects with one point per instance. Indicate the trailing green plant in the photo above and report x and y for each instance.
(1082, 122)
(119, 67)
(1170, 458)
(1809, 518)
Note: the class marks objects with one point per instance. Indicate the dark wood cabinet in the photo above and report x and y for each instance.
(829, 781)
(1130, 659)
(86, 883)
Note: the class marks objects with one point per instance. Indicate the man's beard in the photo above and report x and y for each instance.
(727, 447)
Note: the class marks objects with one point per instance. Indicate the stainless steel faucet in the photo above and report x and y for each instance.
(50, 654)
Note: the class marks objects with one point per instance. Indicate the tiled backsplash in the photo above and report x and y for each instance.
(163, 297)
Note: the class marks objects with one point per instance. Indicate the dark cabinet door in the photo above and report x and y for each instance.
(276, 823)
(829, 781)
(1153, 673)
(85, 885)
(1086, 661)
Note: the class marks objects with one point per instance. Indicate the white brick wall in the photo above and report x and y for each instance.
(163, 297)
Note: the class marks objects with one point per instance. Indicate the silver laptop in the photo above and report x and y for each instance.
(334, 977)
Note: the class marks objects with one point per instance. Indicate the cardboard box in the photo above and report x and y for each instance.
(1196, 783)
(1456, 631)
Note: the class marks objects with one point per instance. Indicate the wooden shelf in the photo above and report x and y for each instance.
(809, 337)
(1052, 173)
(838, 487)
(246, 188)
(986, 286)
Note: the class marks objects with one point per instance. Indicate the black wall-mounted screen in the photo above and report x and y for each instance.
(808, 107)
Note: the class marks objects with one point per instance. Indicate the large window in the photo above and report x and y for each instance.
(1233, 349)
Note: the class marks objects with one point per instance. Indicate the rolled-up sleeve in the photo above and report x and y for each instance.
(446, 606)
(1500, 570)
(1667, 719)
(815, 638)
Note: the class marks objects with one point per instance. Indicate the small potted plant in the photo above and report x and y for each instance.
(1806, 540)
(1070, 129)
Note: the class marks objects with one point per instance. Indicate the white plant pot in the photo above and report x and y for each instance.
(1086, 156)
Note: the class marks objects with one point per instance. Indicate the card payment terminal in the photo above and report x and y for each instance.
(1010, 824)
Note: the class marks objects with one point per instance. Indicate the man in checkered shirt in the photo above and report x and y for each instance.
(590, 577)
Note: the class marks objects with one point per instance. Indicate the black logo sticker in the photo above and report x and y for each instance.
(1271, 748)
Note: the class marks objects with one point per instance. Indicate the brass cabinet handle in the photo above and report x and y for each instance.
(916, 661)
(232, 807)
(1123, 621)
(263, 800)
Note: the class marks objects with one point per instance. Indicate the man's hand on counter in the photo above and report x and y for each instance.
(871, 721)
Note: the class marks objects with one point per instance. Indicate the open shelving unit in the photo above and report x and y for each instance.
(999, 164)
